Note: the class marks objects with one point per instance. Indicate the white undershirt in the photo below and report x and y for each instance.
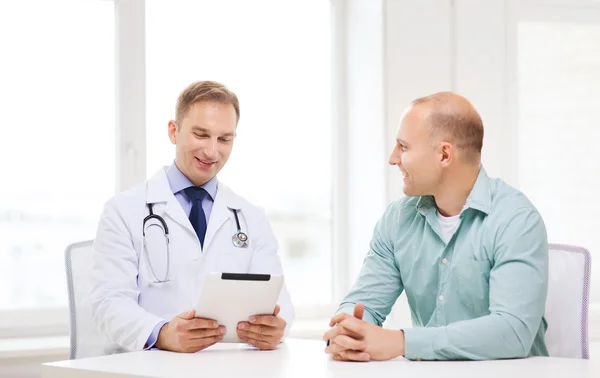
(448, 225)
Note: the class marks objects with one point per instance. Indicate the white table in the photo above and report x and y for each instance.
(306, 359)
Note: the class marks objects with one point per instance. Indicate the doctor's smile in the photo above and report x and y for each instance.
(205, 164)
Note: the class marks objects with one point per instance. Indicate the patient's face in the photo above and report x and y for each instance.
(415, 153)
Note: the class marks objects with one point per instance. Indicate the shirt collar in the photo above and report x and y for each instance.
(479, 199)
(178, 182)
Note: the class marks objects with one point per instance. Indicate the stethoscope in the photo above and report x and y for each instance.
(239, 238)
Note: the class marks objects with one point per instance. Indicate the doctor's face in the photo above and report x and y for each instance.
(203, 140)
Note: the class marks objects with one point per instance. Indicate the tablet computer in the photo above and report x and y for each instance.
(230, 298)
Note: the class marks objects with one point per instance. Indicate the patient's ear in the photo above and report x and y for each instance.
(446, 153)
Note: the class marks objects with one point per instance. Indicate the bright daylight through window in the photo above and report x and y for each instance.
(278, 63)
(58, 141)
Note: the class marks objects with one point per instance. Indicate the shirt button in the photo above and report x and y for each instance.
(445, 261)
(418, 359)
(441, 297)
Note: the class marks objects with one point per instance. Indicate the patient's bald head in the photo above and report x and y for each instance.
(453, 119)
(438, 144)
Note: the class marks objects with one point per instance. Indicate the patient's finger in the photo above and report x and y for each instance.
(359, 311)
(335, 348)
(350, 343)
(351, 355)
(341, 330)
(338, 318)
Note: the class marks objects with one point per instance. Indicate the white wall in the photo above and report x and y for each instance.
(460, 45)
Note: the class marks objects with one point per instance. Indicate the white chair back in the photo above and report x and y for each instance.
(85, 338)
(567, 302)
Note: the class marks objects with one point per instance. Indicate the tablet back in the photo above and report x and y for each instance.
(230, 298)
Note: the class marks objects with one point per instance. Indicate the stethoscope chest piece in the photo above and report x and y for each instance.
(240, 239)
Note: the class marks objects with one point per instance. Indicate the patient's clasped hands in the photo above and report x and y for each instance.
(353, 339)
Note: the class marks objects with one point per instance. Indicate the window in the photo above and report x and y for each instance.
(558, 96)
(58, 141)
(278, 63)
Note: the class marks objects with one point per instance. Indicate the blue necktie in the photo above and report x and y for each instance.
(197, 217)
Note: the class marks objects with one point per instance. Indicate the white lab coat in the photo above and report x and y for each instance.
(126, 303)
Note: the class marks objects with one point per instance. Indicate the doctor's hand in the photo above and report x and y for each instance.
(185, 333)
(353, 339)
(263, 331)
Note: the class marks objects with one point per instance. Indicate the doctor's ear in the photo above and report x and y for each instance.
(173, 132)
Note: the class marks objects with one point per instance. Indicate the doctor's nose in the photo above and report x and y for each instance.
(210, 150)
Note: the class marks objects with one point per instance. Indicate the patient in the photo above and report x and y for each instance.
(470, 251)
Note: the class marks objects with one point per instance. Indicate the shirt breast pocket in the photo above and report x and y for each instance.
(473, 283)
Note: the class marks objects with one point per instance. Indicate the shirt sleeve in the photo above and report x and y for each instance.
(379, 283)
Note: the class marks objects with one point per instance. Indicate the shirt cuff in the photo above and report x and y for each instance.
(154, 335)
(421, 343)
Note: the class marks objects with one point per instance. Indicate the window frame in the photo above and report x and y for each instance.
(130, 169)
(49, 321)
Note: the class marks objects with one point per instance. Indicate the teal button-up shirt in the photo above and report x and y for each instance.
(481, 295)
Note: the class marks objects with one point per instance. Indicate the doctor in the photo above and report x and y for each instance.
(156, 242)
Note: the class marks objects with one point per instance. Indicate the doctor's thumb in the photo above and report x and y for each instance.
(188, 315)
(277, 309)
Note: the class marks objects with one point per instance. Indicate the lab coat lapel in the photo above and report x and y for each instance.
(225, 201)
(159, 191)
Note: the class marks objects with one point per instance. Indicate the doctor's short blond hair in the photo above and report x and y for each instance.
(208, 91)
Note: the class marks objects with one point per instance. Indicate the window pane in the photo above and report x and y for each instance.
(559, 93)
(276, 56)
(57, 140)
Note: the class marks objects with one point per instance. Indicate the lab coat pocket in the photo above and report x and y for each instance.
(473, 283)
(235, 260)
(165, 299)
